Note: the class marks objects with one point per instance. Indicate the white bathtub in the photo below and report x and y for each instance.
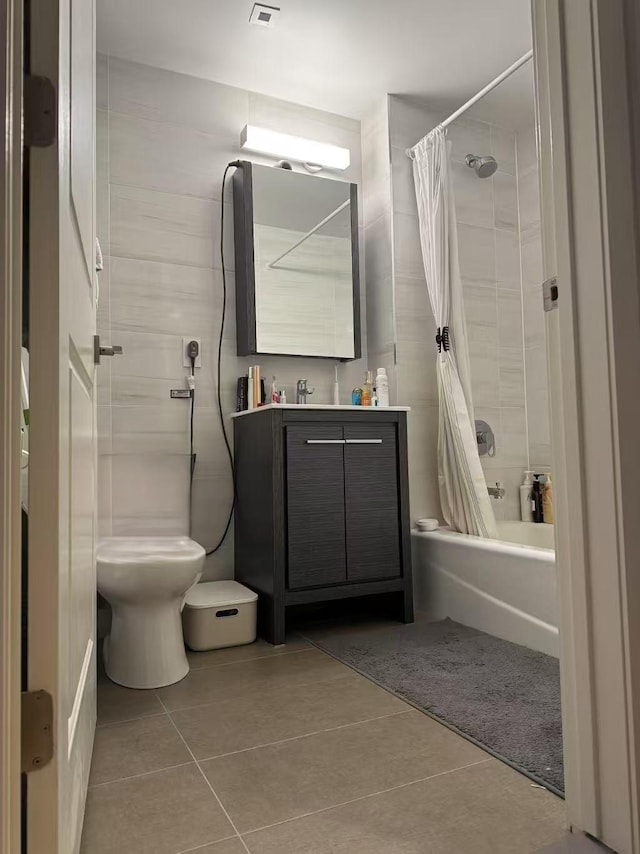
(505, 587)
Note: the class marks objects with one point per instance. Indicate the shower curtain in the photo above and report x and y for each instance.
(466, 504)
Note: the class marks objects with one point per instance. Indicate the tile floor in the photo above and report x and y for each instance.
(287, 751)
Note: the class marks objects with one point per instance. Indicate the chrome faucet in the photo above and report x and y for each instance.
(496, 491)
(302, 391)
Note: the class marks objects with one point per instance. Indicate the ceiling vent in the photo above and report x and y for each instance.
(264, 16)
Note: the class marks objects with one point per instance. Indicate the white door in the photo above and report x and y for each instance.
(62, 479)
(590, 240)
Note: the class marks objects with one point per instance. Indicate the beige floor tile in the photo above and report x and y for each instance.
(484, 809)
(209, 684)
(136, 747)
(227, 846)
(574, 843)
(243, 722)
(160, 813)
(259, 649)
(116, 703)
(270, 784)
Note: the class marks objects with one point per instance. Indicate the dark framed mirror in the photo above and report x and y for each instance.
(297, 270)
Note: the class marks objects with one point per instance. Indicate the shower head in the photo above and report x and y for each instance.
(484, 166)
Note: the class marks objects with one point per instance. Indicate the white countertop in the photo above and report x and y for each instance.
(328, 406)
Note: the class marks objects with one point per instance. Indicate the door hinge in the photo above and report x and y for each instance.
(550, 293)
(37, 730)
(40, 111)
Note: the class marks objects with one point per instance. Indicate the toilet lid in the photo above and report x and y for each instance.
(143, 549)
(217, 594)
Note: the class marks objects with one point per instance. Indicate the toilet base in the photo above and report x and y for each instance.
(145, 648)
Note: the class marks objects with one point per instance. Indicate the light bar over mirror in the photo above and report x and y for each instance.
(296, 148)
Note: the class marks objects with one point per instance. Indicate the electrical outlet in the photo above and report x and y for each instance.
(186, 361)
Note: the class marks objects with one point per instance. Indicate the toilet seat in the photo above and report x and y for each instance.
(147, 549)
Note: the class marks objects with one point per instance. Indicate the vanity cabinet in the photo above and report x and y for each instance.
(322, 508)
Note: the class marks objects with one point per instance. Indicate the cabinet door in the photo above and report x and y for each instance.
(315, 506)
(371, 501)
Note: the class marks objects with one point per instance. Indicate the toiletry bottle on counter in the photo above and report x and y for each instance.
(242, 394)
(536, 499)
(526, 510)
(547, 500)
(336, 389)
(382, 387)
(283, 396)
(356, 397)
(367, 390)
(250, 390)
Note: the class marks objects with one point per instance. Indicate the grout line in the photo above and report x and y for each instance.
(254, 658)
(130, 720)
(371, 795)
(205, 778)
(304, 735)
(206, 844)
(248, 693)
(143, 774)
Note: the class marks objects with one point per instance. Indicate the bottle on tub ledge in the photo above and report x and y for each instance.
(526, 498)
(536, 498)
(547, 500)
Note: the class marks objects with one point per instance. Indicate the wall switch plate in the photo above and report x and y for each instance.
(186, 361)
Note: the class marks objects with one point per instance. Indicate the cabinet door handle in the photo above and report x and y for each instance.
(324, 441)
(363, 441)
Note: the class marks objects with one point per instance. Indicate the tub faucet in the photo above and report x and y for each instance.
(496, 491)
(302, 391)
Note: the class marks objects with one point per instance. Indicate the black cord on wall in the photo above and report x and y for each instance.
(235, 163)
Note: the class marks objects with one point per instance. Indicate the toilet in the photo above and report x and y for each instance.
(145, 580)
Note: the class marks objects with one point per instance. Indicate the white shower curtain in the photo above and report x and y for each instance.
(466, 504)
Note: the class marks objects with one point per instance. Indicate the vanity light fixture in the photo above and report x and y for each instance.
(296, 148)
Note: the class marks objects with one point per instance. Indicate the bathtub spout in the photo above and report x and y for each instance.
(496, 491)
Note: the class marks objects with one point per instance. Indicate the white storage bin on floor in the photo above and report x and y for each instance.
(218, 614)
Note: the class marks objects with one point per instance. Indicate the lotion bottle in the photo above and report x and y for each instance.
(526, 511)
(382, 387)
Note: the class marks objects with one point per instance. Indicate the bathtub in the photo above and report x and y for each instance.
(505, 587)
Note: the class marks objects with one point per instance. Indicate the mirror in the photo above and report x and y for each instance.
(297, 280)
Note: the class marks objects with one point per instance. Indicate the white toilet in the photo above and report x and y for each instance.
(145, 580)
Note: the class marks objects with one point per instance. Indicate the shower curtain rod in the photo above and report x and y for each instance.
(463, 109)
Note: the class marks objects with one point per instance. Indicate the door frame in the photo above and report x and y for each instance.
(11, 72)
(591, 242)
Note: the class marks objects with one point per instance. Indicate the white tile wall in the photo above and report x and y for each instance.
(378, 243)
(535, 354)
(163, 142)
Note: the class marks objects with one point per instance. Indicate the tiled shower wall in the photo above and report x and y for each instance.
(163, 142)
(499, 247)
(535, 350)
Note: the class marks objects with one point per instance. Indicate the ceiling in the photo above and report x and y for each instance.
(335, 55)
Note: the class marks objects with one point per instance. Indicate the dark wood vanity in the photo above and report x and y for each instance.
(322, 508)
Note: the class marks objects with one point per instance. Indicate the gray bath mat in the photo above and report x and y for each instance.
(503, 697)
